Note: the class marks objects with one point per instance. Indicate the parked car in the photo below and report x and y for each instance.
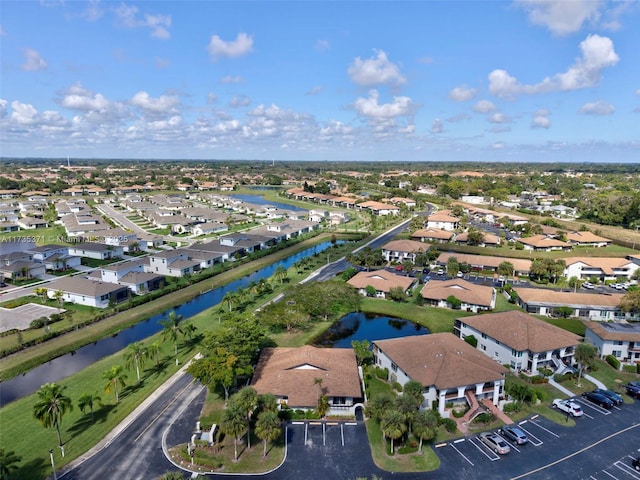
(588, 285)
(513, 433)
(567, 406)
(635, 463)
(495, 442)
(460, 275)
(398, 268)
(633, 389)
(426, 271)
(598, 399)
(616, 398)
(440, 272)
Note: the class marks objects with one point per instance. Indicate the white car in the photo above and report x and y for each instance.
(587, 285)
(567, 406)
(460, 274)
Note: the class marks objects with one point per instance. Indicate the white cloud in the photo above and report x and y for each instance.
(562, 17)
(597, 54)
(377, 70)
(314, 91)
(25, 114)
(499, 118)
(369, 107)
(162, 104)
(33, 61)
(638, 92)
(127, 16)
(322, 45)
(79, 98)
(484, 106)
(93, 11)
(498, 145)
(541, 119)
(240, 101)
(597, 108)
(460, 117)
(218, 48)
(462, 93)
(437, 126)
(231, 80)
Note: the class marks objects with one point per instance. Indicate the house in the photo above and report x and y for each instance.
(30, 223)
(602, 268)
(622, 340)
(208, 228)
(55, 257)
(592, 306)
(587, 239)
(19, 266)
(449, 369)
(291, 374)
(382, 280)
(519, 340)
(172, 263)
(488, 239)
(403, 250)
(443, 220)
(378, 208)
(542, 243)
(97, 251)
(408, 202)
(433, 235)
(474, 298)
(521, 267)
(87, 292)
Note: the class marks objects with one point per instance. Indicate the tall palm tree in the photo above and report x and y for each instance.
(247, 399)
(135, 355)
(154, 351)
(171, 328)
(425, 424)
(115, 378)
(88, 401)
(267, 428)
(280, 273)
(233, 423)
(267, 402)
(230, 298)
(8, 462)
(393, 426)
(51, 406)
(59, 295)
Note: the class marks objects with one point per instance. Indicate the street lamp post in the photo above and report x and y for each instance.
(53, 465)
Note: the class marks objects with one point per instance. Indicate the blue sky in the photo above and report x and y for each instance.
(527, 80)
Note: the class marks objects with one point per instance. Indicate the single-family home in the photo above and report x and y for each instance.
(87, 292)
(602, 268)
(382, 280)
(443, 220)
(291, 374)
(520, 340)
(542, 243)
(587, 239)
(172, 263)
(433, 235)
(98, 251)
(403, 250)
(450, 370)
(622, 340)
(473, 298)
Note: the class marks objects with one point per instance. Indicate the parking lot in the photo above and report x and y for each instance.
(323, 434)
(601, 445)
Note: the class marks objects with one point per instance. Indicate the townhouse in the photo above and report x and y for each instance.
(622, 340)
(473, 298)
(381, 280)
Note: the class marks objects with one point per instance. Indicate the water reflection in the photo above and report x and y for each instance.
(364, 326)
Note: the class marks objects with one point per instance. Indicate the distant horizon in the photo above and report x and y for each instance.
(485, 81)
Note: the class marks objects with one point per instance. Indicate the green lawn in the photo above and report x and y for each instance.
(42, 236)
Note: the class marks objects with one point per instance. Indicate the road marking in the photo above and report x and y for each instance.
(493, 459)
(607, 473)
(342, 433)
(351, 423)
(462, 455)
(530, 436)
(597, 408)
(460, 440)
(578, 452)
(620, 465)
(545, 429)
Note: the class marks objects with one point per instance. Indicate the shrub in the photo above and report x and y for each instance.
(411, 448)
(629, 368)
(397, 387)
(381, 373)
(613, 361)
(471, 340)
(449, 425)
(484, 418)
(38, 322)
(512, 407)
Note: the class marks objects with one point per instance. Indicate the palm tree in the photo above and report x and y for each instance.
(323, 405)
(425, 425)
(318, 383)
(393, 426)
(42, 293)
(267, 402)
(233, 423)
(171, 328)
(8, 462)
(135, 355)
(231, 298)
(154, 351)
(88, 400)
(267, 428)
(59, 295)
(280, 273)
(189, 330)
(585, 356)
(115, 378)
(247, 399)
(51, 406)
(252, 288)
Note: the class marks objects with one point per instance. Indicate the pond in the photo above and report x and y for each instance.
(260, 200)
(366, 326)
(70, 363)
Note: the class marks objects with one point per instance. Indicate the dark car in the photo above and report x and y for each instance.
(633, 389)
(513, 433)
(635, 463)
(616, 398)
(598, 399)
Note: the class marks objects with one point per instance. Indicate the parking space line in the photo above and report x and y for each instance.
(624, 466)
(462, 455)
(545, 429)
(597, 408)
(607, 473)
(531, 436)
(342, 433)
(306, 434)
(497, 457)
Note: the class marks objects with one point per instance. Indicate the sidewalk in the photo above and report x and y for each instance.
(564, 390)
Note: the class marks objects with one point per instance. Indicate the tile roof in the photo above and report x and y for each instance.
(519, 264)
(381, 280)
(467, 292)
(542, 296)
(606, 264)
(432, 233)
(410, 246)
(441, 359)
(615, 331)
(542, 241)
(291, 372)
(521, 331)
(585, 237)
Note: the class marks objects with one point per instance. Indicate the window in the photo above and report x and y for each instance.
(483, 348)
(484, 335)
(394, 367)
(618, 342)
(617, 353)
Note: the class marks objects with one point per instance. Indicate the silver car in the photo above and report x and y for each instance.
(495, 442)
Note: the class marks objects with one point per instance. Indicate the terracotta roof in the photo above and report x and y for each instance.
(381, 280)
(377, 205)
(555, 298)
(442, 217)
(486, 238)
(606, 264)
(521, 331)
(441, 359)
(291, 372)
(432, 233)
(542, 241)
(615, 331)
(519, 264)
(467, 292)
(406, 246)
(585, 237)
